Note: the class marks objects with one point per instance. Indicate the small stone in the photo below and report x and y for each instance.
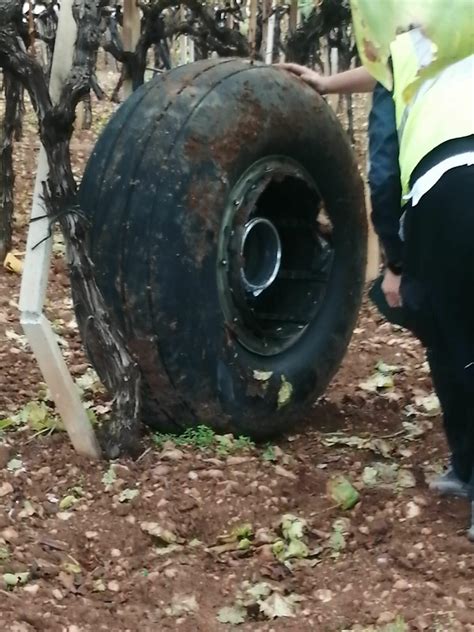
(65, 515)
(281, 471)
(5, 455)
(215, 462)
(401, 584)
(170, 573)
(9, 534)
(193, 475)
(160, 471)
(91, 535)
(123, 509)
(412, 510)
(50, 508)
(324, 595)
(122, 471)
(421, 624)
(237, 460)
(265, 553)
(113, 586)
(116, 553)
(386, 617)
(213, 473)
(172, 455)
(5, 489)
(16, 626)
(421, 501)
(31, 589)
(57, 594)
(43, 472)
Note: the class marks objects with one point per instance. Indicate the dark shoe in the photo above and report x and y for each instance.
(448, 484)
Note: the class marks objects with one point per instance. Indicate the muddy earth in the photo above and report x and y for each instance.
(331, 528)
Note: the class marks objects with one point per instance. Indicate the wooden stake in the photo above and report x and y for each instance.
(293, 19)
(36, 267)
(266, 13)
(253, 10)
(130, 35)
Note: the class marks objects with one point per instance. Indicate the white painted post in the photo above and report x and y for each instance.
(183, 40)
(130, 34)
(270, 36)
(191, 50)
(252, 31)
(35, 276)
(183, 52)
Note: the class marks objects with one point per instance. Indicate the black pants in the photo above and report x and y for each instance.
(438, 294)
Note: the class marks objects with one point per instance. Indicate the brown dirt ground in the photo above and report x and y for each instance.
(93, 568)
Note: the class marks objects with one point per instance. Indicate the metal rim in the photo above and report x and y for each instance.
(260, 255)
(276, 204)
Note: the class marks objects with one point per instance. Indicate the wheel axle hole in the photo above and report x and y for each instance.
(261, 255)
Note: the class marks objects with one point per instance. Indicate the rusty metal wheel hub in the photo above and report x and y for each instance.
(274, 260)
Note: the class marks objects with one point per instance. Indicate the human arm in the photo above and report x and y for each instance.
(348, 82)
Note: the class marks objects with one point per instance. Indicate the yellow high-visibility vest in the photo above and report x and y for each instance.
(441, 109)
(429, 46)
(448, 25)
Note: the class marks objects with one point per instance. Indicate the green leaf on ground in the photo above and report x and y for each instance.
(127, 494)
(430, 405)
(14, 465)
(98, 586)
(269, 454)
(40, 418)
(291, 545)
(182, 604)
(73, 568)
(235, 615)
(258, 591)
(292, 527)
(243, 531)
(277, 606)
(285, 392)
(67, 502)
(342, 492)
(89, 382)
(370, 476)
(15, 579)
(337, 539)
(109, 478)
(8, 422)
(388, 369)
(4, 553)
(164, 536)
(377, 382)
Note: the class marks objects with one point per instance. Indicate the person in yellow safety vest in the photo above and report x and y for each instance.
(425, 52)
(425, 55)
